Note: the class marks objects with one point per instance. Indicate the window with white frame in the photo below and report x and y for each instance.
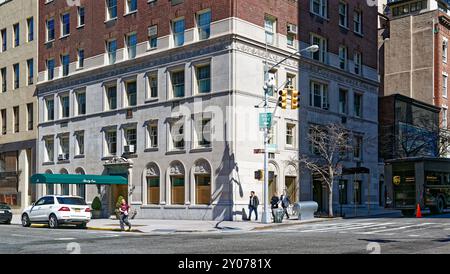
(131, 42)
(343, 57)
(177, 135)
(444, 117)
(270, 28)
(65, 24)
(80, 97)
(203, 130)
(111, 142)
(177, 79)
(111, 48)
(444, 50)
(272, 136)
(357, 21)
(80, 58)
(16, 34)
(131, 6)
(64, 147)
(16, 74)
(50, 29)
(111, 9)
(178, 28)
(290, 134)
(152, 37)
(130, 138)
(319, 95)
(204, 24)
(79, 147)
(319, 7)
(203, 75)
(30, 29)
(343, 14)
(444, 85)
(322, 53)
(80, 15)
(130, 93)
(65, 63)
(50, 69)
(357, 63)
(152, 134)
(111, 97)
(152, 85)
(49, 144)
(50, 109)
(64, 105)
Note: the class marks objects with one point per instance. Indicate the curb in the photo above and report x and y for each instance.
(294, 224)
(112, 229)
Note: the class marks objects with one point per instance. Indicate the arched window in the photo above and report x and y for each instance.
(177, 183)
(81, 188)
(202, 177)
(153, 184)
(49, 188)
(65, 188)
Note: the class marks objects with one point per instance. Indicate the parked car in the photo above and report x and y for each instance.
(5, 214)
(56, 210)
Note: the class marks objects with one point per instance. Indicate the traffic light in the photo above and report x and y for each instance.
(282, 100)
(294, 99)
(259, 175)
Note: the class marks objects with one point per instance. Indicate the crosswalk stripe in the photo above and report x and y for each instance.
(395, 228)
(352, 227)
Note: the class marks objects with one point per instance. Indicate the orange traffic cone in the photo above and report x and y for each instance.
(418, 213)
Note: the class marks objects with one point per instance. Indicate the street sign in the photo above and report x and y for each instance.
(265, 120)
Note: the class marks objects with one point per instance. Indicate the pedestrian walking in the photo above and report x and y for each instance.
(285, 202)
(124, 210)
(274, 204)
(253, 206)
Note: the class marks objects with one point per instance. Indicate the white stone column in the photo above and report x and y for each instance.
(23, 166)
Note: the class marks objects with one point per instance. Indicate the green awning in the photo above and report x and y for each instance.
(78, 179)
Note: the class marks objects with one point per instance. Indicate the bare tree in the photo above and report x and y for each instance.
(330, 145)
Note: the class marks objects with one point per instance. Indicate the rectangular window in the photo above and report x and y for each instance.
(319, 95)
(290, 134)
(16, 29)
(50, 29)
(444, 50)
(65, 24)
(204, 79)
(343, 57)
(16, 71)
(111, 47)
(4, 40)
(16, 119)
(3, 75)
(130, 137)
(50, 106)
(290, 80)
(178, 28)
(131, 6)
(152, 128)
(178, 83)
(177, 134)
(131, 41)
(80, 12)
(65, 62)
(50, 69)
(343, 14)
(4, 123)
(80, 63)
(30, 116)
(444, 85)
(357, 22)
(111, 142)
(357, 148)
(65, 106)
(30, 71)
(444, 118)
(322, 54)
(203, 129)
(357, 105)
(111, 97)
(79, 149)
(204, 25)
(270, 28)
(319, 7)
(177, 184)
(152, 86)
(64, 147)
(153, 37)
(111, 9)
(49, 149)
(30, 29)
(290, 39)
(343, 101)
(153, 190)
(81, 102)
(131, 93)
(357, 63)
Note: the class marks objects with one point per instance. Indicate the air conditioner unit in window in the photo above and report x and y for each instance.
(61, 157)
(129, 149)
(292, 29)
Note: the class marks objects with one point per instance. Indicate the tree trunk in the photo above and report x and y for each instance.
(330, 194)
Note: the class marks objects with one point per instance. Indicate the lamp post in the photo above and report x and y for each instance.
(269, 84)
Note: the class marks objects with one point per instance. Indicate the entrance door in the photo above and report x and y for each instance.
(291, 188)
(272, 184)
(318, 194)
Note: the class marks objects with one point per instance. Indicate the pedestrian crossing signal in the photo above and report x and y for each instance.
(294, 99)
(282, 100)
(259, 175)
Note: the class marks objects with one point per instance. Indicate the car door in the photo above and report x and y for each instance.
(35, 210)
(46, 208)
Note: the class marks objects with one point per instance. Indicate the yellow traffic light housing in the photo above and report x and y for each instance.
(259, 175)
(282, 100)
(294, 99)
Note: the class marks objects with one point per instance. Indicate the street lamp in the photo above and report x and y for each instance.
(269, 84)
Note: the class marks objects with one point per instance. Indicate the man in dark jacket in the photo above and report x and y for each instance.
(253, 205)
(274, 203)
(285, 202)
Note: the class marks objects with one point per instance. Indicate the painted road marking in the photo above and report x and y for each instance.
(348, 227)
(395, 228)
(64, 239)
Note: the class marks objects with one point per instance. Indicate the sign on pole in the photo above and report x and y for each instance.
(265, 120)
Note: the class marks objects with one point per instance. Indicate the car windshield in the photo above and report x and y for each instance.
(71, 201)
(2, 206)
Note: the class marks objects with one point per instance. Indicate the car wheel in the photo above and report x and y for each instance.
(440, 205)
(25, 220)
(53, 222)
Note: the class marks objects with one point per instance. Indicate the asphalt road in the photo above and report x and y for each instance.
(364, 236)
